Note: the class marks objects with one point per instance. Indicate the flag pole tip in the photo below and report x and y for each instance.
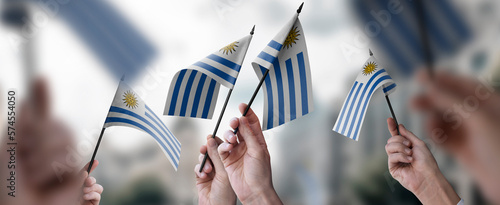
(253, 29)
(300, 8)
(371, 53)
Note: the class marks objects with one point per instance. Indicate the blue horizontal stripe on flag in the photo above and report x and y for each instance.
(197, 96)
(384, 39)
(303, 83)
(389, 88)
(164, 127)
(174, 141)
(366, 103)
(363, 97)
(187, 93)
(175, 95)
(132, 114)
(291, 88)
(208, 101)
(350, 108)
(281, 97)
(404, 30)
(454, 18)
(344, 108)
(217, 72)
(269, 91)
(265, 56)
(224, 62)
(134, 123)
(275, 45)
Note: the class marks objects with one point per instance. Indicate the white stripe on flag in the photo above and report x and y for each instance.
(352, 114)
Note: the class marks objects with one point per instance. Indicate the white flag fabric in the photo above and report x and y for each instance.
(287, 88)
(352, 115)
(193, 91)
(129, 110)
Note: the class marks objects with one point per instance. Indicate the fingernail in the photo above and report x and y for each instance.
(227, 145)
(409, 158)
(407, 150)
(86, 196)
(406, 142)
(211, 143)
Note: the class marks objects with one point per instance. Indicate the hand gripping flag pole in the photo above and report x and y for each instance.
(221, 115)
(389, 104)
(251, 99)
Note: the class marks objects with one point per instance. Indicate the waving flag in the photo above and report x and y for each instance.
(288, 90)
(401, 38)
(129, 110)
(194, 90)
(351, 117)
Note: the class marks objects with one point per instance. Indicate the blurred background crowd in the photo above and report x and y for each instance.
(81, 49)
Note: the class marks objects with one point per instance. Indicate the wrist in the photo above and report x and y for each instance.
(436, 190)
(264, 196)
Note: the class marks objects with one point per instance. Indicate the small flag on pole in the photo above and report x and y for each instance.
(194, 90)
(372, 77)
(287, 90)
(129, 110)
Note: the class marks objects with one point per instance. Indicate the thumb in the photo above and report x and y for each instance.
(252, 117)
(41, 97)
(214, 155)
(94, 165)
(409, 135)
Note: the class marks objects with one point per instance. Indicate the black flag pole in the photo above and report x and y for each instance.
(390, 105)
(220, 117)
(261, 82)
(98, 142)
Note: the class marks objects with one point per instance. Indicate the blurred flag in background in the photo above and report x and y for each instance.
(111, 37)
(396, 29)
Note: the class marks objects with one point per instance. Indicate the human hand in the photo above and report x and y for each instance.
(213, 183)
(42, 141)
(91, 190)
(412, 164)
(463, 117)
(247, 161)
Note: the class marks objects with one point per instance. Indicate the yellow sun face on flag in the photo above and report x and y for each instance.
(130, 100)
(369, 68)
(229, 48)
(291, 38)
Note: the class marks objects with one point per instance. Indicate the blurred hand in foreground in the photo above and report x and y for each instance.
(463, 117)
(213, 183)
(44, 141)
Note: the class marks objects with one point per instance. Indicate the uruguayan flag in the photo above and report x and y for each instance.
(287, 88)
(372, 77)
(130, 111)
(194, 90)
(397, 31)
